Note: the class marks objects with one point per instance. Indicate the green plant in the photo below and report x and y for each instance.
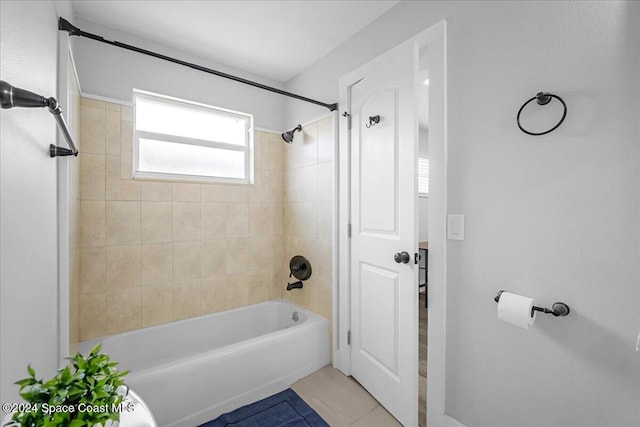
(83, 394)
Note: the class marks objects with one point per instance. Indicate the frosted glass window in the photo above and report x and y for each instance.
(192, 160)
(423, 175)
(177, 139)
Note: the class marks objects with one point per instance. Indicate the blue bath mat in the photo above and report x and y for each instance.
(285, 409)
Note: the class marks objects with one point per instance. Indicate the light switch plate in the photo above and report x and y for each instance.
(455, 227)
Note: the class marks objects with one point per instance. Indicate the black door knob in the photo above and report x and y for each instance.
(402, 257)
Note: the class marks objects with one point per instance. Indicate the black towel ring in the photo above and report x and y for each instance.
(542, 98)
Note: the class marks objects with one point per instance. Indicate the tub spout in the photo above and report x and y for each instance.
(295, 285)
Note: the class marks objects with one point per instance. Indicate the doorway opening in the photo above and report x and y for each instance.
(379, 308)
(422, 160)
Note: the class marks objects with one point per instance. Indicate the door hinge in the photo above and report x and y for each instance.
(349, 230)
(348, 116)
(348, 337)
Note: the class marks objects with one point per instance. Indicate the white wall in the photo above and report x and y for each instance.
(554, 217)
(113, 72)
(28, 221)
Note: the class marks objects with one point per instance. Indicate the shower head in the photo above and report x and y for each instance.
(288, 135)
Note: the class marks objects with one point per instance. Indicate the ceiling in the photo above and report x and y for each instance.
(273, 39)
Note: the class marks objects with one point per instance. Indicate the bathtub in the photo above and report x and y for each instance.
(191, 371)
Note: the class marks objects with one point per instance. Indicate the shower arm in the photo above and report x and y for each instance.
(11, 96)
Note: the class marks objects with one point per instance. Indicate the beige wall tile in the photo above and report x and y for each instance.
(112, 131)
(92, 176)
(325, 220)
(109, 106)
(93, 103)
(126, 165)
(259, 190)
(186, 299)
(213, 294)
(276, 284)
(186, 192)
(258, 150)
(324, 261)
(213, 193)
(213, 219)
(92, 223)
(92, 130)
(117, 188)
(156, 223)
(237, 193)
(92, 270)
(276, 227)
(238, 290)
(302, 184)
(304, 150)
(126, 136)
(124, 310)
(93, 321)
(156, 264)
(258, 287)
(126, 113)
(276, 186)
(260, 251)
(325, 182)
(276, 151)
(157, 305)
(237, 220)
(259, 220)
(186, 221)
(186, 261)
(153, 191)
(236, 256)
(123, 223)
(326, 141)
(123, 267)
(213, 258)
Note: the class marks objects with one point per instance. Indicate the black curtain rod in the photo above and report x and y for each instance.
(65, 25)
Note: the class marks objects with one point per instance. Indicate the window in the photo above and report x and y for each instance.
(423, 176)
(182, 140)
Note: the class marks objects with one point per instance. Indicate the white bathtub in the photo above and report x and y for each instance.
(192, 371)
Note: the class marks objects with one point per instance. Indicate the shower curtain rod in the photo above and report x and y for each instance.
(64, 25)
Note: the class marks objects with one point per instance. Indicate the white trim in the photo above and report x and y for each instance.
(106, 99)
(435, 38)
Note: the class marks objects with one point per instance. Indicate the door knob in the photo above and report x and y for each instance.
(402, 257)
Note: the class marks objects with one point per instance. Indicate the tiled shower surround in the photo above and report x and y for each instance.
(153, 252)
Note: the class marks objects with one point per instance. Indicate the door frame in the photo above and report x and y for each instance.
(433, 38)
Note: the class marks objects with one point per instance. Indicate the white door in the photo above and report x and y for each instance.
(384, 316)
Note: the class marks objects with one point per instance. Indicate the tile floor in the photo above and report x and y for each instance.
(341, 401)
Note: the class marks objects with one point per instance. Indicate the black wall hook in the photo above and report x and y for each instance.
(557, 309)
(373, 120)
(542, 98)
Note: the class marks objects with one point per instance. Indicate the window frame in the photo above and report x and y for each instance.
(247, 149)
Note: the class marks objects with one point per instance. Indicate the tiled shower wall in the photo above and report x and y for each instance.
(308, 212)
(152, 252)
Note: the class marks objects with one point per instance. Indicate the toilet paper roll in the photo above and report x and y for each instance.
(516, 309)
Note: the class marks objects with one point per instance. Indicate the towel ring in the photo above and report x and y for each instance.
(542, 98)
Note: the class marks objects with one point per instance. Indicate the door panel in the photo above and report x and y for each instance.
(384, 316)
(379, 163)
(379, 328)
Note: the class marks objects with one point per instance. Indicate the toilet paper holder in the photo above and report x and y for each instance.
(557, 309)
